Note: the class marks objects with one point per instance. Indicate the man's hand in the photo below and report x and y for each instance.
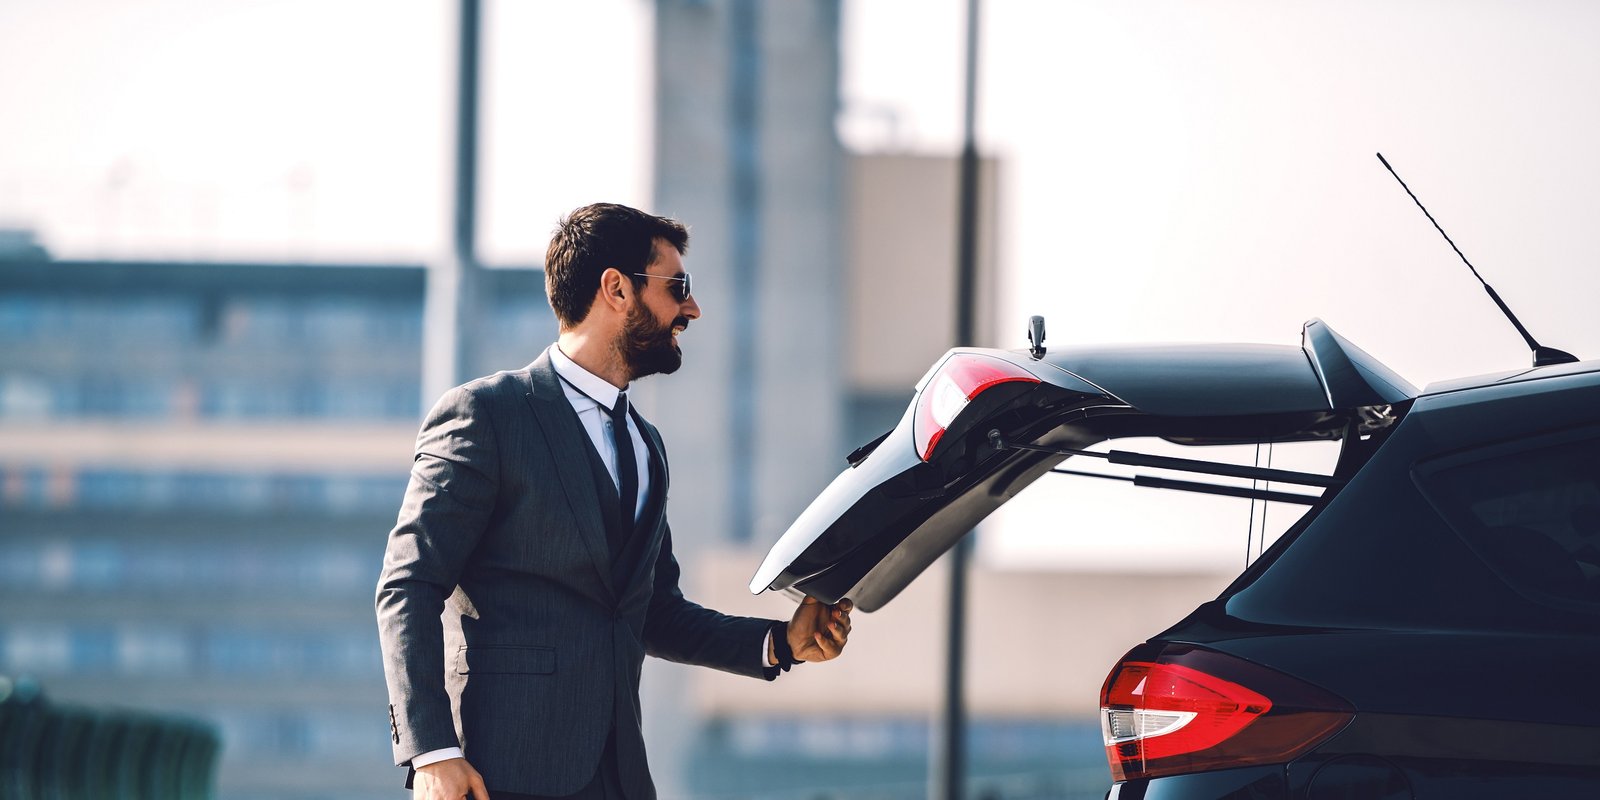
(818, 632)
(450, 779)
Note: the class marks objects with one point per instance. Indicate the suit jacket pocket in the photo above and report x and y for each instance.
(505, 660)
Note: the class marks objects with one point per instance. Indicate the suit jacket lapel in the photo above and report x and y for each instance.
(569, 443)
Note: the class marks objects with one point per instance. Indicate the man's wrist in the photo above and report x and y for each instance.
(435, 756)
(782, 651)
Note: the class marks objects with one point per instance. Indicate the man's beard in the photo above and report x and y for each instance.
(649, 348)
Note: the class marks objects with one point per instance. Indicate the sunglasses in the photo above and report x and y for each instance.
(680, 290)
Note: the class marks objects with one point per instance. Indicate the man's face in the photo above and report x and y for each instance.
(649, 340)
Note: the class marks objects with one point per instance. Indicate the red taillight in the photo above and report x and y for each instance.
(959, 380)
(1168, 709)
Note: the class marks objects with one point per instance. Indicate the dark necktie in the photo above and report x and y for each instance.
(627, 465)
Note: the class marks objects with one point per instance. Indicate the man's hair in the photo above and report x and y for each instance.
(591, 239)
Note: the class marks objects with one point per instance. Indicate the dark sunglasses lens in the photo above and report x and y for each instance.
(683, 288)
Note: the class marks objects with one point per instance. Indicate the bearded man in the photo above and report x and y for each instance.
(531, 569)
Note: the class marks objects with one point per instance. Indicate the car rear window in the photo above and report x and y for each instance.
(1531, 511)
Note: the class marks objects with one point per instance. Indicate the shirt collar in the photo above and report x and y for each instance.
(589, 384)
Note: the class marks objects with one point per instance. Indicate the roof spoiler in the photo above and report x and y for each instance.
(1350, 376)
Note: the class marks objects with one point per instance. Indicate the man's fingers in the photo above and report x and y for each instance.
(840, 626)
(479, 791)
(829, 648)
(825, 645)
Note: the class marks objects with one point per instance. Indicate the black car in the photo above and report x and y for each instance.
(1430, 628)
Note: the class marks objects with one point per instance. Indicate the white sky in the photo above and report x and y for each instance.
(311, 130)
(1205, 172)
(1168, 161)
(1174, 170)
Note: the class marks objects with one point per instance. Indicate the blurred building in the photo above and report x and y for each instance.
(746, 155)
(199, 463)
(828, 282)
(198, 467)
(900, 286)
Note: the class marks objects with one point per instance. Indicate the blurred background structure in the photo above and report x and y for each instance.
(217, 221)
(200, 461)
(53, 750)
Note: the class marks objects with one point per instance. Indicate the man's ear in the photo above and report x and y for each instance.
(615, 289)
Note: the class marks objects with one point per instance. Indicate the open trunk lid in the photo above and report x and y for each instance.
(912, 494)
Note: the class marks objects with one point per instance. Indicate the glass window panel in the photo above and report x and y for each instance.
(20, 317)
(96, 565)
(92, 649)
(34, 648)
(150, 651)
(56, 564)
(26, 396)
(1533, 516)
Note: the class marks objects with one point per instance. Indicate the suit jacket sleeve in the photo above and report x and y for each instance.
(678, 629)
(447, 506)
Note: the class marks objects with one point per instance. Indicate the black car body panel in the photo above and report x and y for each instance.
(1247, 783)
(1469, 680)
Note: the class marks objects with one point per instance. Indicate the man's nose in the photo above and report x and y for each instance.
(689, 308)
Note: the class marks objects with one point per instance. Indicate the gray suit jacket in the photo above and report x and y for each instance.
(506, 626)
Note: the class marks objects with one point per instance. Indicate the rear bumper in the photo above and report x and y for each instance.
(1258, 783)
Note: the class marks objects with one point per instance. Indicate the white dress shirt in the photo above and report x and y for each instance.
(592, 397)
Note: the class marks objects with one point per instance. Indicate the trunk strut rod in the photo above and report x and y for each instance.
(1203, 488)
(999, 442)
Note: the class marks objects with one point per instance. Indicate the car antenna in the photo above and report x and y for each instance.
(1542, 356)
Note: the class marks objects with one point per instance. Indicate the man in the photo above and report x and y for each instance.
(531, 569)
